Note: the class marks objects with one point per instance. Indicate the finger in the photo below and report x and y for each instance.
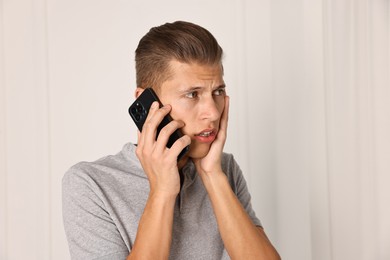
(141, 135)
(140, 143)
(138, 137)
(139, 147)
(155, 116)
(165, 134)
(225, 118)
(178, 146)
(219, 143)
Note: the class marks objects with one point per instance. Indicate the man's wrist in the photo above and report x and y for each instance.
(213, 178)
(163, 197)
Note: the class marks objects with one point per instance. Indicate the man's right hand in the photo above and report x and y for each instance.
(158, 161)
(154, 233)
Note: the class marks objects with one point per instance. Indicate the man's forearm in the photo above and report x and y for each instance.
(242, 239)
(154, 233)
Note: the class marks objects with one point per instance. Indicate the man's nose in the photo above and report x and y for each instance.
(210, 109)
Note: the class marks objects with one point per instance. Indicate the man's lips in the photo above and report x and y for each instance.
(206, 136)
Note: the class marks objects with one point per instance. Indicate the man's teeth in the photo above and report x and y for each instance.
(205, 134)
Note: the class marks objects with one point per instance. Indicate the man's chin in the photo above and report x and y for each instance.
(199, 152)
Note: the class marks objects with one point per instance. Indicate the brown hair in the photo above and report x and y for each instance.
(182, 41)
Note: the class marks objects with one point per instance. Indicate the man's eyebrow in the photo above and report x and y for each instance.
(189, 89)
(196, 88)
(221, 86)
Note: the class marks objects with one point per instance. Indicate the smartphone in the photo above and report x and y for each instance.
(139, 111)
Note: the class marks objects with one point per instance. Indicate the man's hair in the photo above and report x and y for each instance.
(182, 41)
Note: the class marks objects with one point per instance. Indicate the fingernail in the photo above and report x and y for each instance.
(154, 104)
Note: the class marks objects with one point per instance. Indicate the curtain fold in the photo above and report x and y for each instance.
(329, 95)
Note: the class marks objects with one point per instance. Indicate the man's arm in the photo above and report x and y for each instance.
(154, 234)
(242, 239)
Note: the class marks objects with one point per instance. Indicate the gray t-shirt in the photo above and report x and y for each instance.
(103, 202)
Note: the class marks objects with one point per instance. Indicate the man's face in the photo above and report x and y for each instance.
(197, 96)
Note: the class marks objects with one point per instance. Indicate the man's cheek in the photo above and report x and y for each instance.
(185, 130)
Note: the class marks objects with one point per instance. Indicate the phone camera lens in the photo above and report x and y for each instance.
(139, 108)
(137, 117)
(133, 110)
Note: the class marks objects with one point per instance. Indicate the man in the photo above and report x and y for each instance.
(132, 204)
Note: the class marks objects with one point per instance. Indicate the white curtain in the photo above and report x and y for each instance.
(328, 75)
(309, 121)
(357, 74)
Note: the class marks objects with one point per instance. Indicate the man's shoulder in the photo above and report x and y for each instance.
(231, 167)
(226, 157)
(228, 161)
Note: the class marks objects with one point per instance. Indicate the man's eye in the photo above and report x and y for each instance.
(219, 92)
(192, 94)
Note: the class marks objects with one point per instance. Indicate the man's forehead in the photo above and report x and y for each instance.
(191, 75)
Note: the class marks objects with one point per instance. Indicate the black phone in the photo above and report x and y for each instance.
(139, 111)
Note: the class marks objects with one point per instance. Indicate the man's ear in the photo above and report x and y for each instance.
(138, 92)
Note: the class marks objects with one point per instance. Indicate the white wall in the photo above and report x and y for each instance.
(309, 121)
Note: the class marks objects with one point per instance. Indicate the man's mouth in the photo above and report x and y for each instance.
(206, 136)
(206, 133)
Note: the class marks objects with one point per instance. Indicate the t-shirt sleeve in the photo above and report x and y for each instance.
(90, 231)
(240, 188)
